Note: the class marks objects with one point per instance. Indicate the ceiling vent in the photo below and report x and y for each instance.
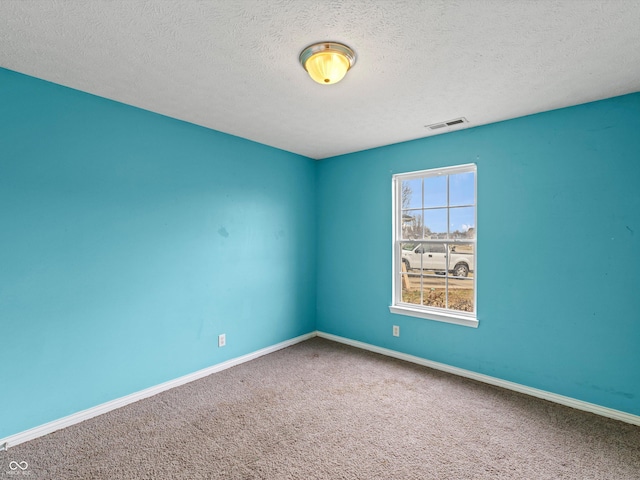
(450, 123)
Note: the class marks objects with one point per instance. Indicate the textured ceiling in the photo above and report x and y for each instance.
(233, 65)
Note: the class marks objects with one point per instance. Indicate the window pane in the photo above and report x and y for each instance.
(410, 288)
(462, 261)
(435, 223)
(463, 222)
(435, 191)
(412, 193)
(434, 292)
(412, 223)
(411, 257)
(461, 294)
(462, 189)
(434, 258)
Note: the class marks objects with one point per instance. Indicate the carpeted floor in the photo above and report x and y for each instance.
(322, 410)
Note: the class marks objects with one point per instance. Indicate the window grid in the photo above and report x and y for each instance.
(446, 239)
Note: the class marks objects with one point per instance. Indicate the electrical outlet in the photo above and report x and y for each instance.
(396, 331)
(222, 340)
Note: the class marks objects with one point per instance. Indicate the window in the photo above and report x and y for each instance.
(434, 244)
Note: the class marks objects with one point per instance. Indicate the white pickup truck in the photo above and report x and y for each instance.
(433, 256)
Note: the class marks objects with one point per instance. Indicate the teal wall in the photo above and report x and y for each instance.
(558, 252)
(129, 241)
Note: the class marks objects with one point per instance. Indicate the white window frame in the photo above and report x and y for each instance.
(469, 319)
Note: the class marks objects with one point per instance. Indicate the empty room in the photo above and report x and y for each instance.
(296, 239)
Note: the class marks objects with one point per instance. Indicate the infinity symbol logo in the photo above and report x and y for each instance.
(15, 465)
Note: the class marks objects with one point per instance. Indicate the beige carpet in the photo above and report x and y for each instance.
(321, 410)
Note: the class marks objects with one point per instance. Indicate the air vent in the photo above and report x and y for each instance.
(450, 123)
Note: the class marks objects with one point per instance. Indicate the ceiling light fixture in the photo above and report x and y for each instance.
(327, 62)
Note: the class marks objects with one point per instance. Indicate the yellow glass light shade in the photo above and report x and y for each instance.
(327, 62)
(327, 67)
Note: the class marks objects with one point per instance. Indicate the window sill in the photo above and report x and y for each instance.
(437, 316)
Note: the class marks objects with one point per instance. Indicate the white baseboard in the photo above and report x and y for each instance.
(25, 436)
(534, 392)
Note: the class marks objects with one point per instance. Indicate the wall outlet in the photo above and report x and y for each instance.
(222, 340)
(396, 331)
